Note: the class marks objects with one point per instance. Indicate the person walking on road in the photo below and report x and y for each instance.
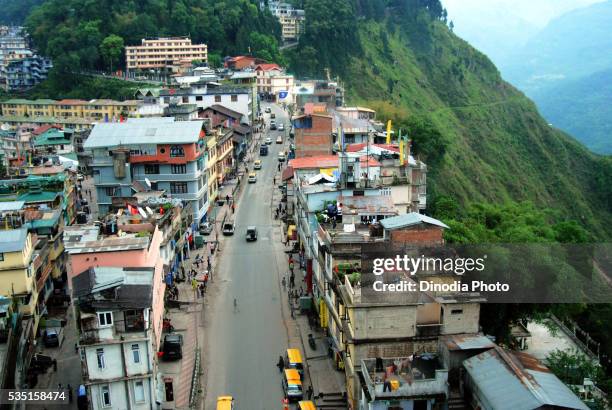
(280, 364)
(309, 392)
(291, 280)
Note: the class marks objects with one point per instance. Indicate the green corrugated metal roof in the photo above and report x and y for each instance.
(52, 137)
(44, 196)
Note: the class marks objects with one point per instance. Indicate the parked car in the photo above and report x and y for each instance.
(228, 228)
(257, 164)
(173, 347)
(251, 233)
(272, 115)
(51, 338)
(205, 228)
(252, 177)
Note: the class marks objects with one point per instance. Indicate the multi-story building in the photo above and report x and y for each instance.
(54, 141)
(117, 312)
(17, 278)
(318, 91)
(273, 84)
(164, 54)
(313, 135)
(211, 169)
(27, 72)
(158, 153)
(290, 18)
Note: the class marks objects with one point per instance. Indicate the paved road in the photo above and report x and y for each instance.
(243, 346)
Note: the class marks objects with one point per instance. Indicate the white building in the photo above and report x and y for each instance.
(117, 342)
(274, 84)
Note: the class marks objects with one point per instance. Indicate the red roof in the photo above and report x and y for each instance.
(287, 174)
(267, 67)
(44, 128)
(320, 161)
(360, 146)
(365, 162)
(70, 102)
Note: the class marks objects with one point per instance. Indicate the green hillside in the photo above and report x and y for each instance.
(498, 147)
(483, 140)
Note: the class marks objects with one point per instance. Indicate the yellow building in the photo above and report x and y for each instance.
(211, 168)
(16, 277)
(94, 110)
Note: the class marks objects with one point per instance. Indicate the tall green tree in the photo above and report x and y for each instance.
(111, 49)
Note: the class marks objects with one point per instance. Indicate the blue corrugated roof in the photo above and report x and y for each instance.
(413, 218)
(13, 240)
(504, 383)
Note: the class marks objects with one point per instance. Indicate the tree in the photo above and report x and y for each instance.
(215, 60)
(573, 367)
(111, 49)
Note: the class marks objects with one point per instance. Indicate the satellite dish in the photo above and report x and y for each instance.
(5, 127)
(148, 182)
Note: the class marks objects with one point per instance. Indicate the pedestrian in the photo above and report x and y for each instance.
(208, 262)
(280, 364)
(54, 365)
(60, 386)
(227, 198)
(69, 387)
(292, 280)
(309, 392)
(233, 207)
(279, 167)
(202, 289)
(284, 282)
(76, 348)
(274, 180)
(291, 266)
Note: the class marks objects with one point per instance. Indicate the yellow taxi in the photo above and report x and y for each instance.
(306, 405)
(252, 177)
(257, 164)
(225, 403)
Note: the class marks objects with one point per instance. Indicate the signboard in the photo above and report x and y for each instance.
(282, 94)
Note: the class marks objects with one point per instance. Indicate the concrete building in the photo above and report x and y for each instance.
(290, 18)
(117, 313)
(329, 93)
(242, 62)
(150, 154)
(27, 72)
(273, 84)
(166, 53)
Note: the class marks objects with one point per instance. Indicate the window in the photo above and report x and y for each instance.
(100, 358)
(456, 311)
(178, 187)
(110, 191)
(139, 395)
(105, 319)
(166, 100)
(177, 151)
(154, 186)
(185, 99)
(1, 257)
(179, 169)
(151, 169)
(136, 353)
(217, 98)
(234, 97)
(105, 395)
(199, 98)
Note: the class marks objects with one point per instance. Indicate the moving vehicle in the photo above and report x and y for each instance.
(306, 405)
(272, 125)
(281, 156)
(293, 360)
(173, 347)
(292, 385)
(272, 115)
(279, 139)
(252, 177)
(251, 233)
(228, 228)
(225, 403)
(51, 338)
(263, 150)
(257, 164)
(281, 127)
(268, 110)
(268, 141)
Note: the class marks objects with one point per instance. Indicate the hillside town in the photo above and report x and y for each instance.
(201, 244)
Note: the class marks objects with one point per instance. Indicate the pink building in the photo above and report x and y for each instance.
(87, 249)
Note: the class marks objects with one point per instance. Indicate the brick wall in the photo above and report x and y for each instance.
(418, 234)
(316, 140)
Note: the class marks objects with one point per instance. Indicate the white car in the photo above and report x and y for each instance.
(268, 141)
(279, 140)
(281, 127)
(281, 157)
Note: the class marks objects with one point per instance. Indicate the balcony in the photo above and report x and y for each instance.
(407, 377)
(428, 329)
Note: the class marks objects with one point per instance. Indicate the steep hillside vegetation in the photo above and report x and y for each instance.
(484, 140)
